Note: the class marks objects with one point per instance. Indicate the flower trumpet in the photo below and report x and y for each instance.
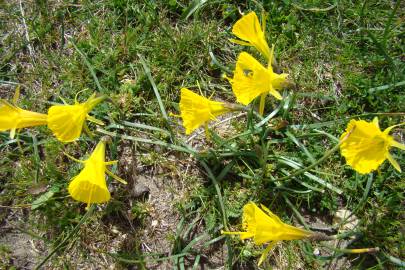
(251, 79)
(13, 118)
(89, 186)
(264, 226)
(196, 110)
(250, 32)
(367, 147)
(67, 121)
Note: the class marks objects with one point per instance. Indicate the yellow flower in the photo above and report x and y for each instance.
(248, 29)
(67, 121)
(196, 110)
(367, 147)
(89, 186)
(251, 79)
(13, 117)
(264, 226)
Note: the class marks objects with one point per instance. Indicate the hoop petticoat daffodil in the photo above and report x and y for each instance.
(89, 186)
(196, 110)
(13, 117)
(265, 227)
(67, 121)
(251, 33)
(367, 147)
(251, 79)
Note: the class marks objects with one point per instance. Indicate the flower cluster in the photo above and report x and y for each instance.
(67, 122)
(250, 78)
(364, 146)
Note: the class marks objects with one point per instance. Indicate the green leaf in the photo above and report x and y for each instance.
(44, 197)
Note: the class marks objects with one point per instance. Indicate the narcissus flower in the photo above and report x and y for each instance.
(196, 110)
(249, 30)
(251, 79)
(265, 227)
(89, 186)
(367, 147)
(13, 117)
(67, 121)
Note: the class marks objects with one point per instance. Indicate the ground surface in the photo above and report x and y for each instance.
(345, 59)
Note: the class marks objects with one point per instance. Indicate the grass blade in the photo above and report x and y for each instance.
(89, 66)
(192, 8)
(155, 89)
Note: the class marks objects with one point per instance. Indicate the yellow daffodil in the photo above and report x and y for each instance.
(89, 186)
(196, 110)
(264, 226)
(67, 121)
(249, 30)
(367, 147)
(13, 117)
(251, 79)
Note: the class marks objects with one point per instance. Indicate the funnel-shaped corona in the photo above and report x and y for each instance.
(66, 121)
(13, 117)
(249, 30)
(251, 79)
(196, 110)
(264, 226)
(89, 186)
(367, 147)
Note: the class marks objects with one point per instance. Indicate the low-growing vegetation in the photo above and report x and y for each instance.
(202, 134)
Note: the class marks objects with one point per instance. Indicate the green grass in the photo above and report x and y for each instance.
(345, 60)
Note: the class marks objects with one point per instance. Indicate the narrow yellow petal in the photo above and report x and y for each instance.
(119, 179)
(398, 145)
(73, 158)
(375, 122)
(16, 94)
(12, 133)
(94, 120)
(276, 94)
(262, 103)
(112, 162)
(265, 253)
(240, 42)
(394, 162)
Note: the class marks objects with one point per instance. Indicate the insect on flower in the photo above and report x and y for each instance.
(89, 186)
(367, 147)
(12, 117)
(196, 110)
(67, 121)
(265, 227)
